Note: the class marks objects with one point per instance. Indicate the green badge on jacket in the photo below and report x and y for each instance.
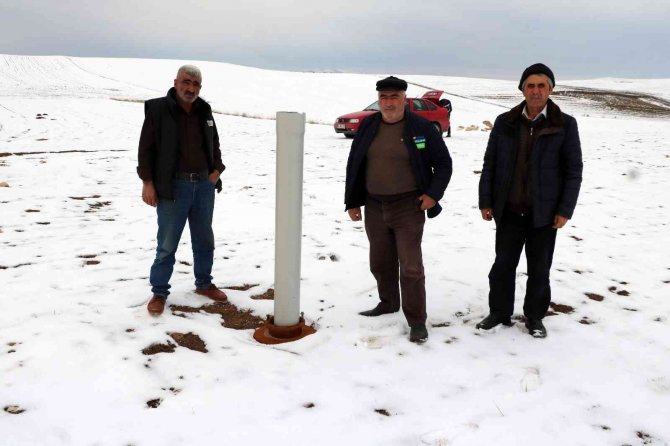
(420, 142)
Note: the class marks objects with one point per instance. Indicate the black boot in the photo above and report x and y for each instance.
(536, 328)
(493, 320)
(418, 334)
(377, 311)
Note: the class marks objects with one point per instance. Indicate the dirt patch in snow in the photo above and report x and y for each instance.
(245, 287)
(610, 101)
(269, 294)
(153, 349)
(624, 102)
(154, 403)
(232, 316)
(14, 409)
(594, 296)
(189, 340)
(561, 308)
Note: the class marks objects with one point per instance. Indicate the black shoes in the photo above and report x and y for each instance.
(536, 328)
(376, 311)
(418, 334)
(493, 320)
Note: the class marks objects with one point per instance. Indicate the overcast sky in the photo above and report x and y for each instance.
(497, 39)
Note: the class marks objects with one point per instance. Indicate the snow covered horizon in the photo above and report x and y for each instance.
(77, 243)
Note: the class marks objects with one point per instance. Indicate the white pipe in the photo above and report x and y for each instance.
(288, 217)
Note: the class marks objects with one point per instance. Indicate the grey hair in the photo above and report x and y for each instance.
(191, 70)
(551, 84)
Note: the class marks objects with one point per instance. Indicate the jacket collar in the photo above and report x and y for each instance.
(554, 114)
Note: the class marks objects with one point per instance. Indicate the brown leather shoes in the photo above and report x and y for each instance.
(213, 293)
(156, 305)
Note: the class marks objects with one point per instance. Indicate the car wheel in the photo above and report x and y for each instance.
(349, 135)
(449, 132)
(437, 127)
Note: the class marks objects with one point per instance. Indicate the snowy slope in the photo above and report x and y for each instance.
(72, 330)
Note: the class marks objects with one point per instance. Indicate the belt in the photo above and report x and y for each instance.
(193, 177)
(394, 197)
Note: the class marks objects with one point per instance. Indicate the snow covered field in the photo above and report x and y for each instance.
(76, 244)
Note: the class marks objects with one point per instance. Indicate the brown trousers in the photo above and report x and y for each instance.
(394, 225)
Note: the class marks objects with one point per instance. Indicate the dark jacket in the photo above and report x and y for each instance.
(158, 153)
(431, 165)
(555, 165)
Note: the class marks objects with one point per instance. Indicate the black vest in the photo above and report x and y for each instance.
(163, 112)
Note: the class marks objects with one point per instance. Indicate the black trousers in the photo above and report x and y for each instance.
(513, 232)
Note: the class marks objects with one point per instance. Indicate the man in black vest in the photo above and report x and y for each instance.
(179, 162)
(529, 184)
(398, 168)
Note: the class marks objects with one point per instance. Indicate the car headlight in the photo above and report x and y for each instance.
(354, 121)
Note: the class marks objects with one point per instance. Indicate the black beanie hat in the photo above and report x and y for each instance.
(391, 83)
(538, 68)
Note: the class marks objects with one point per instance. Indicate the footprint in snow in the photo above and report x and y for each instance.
(531, 379)
(374, 342)
(452, 436)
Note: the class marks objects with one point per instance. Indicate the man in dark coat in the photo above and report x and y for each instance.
(179, 162)
(398, 168)
(529, 184)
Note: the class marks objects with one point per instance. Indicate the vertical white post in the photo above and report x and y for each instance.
(288, 217)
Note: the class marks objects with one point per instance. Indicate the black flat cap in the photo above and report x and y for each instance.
(538, 68)
(391, 83)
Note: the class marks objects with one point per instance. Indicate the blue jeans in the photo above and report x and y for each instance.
(193, 201)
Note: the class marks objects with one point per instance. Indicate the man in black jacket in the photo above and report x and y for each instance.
(398, 168)
(179, 162)
(529, 184)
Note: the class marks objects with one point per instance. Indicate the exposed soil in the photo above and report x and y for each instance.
(154, 403)
(189, 340)
(623, 102)
(14, 410)
(92, 207)
(3, 154)
(18, 265)
(594, 296)
(383, 412)
(645, 437)
(561, 308)
(613, 102)
(614, 290)
(85, 197)
(332, 257)
(267, 295)
(441, 324)
(159, 348)
(232, 316)
(244, 287)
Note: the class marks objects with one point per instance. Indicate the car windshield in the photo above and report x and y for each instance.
(372, 107)
(375, 106)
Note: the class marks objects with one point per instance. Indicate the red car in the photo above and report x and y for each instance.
(429, 106)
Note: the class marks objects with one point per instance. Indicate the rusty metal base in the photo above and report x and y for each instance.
(270, 333)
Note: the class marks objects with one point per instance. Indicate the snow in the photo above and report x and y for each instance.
(71, 333)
